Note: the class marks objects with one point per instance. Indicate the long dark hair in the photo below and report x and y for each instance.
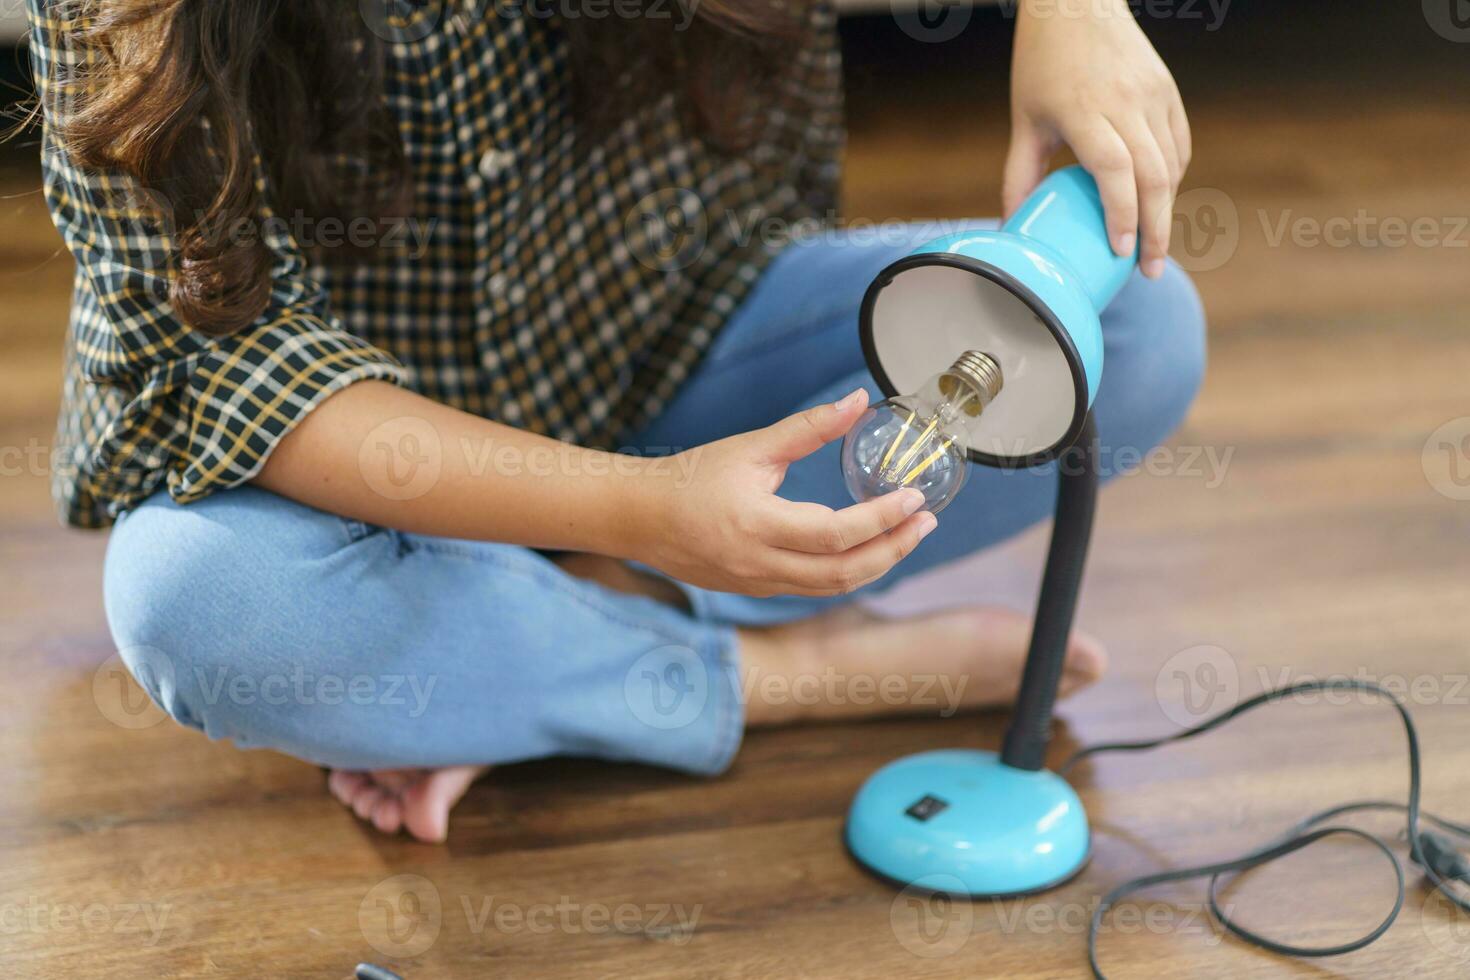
(301, 83)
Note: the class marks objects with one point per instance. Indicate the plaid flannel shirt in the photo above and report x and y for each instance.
(562, 288)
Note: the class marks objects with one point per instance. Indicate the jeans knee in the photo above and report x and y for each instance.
(161, 580)
(151, 592)
(1186, 343)
(1155, 361)
(185, 589)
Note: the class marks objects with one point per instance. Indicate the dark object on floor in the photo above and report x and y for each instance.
(371, 971)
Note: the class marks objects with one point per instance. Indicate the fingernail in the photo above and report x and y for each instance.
(927, 523)
(1153, 268)
(1126, 243)
(848, 401)
(912, 501)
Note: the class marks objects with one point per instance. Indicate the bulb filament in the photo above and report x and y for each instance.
(933, 458)
(883, 466)
(919, 442)
(947, 411)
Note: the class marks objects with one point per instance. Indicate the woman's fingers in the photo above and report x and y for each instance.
(1155, 192)
(854, 568)
(1138, 163)
(1158, 124)
(1104, 154)
(1030, 151)
(802, 434)
(1183, 138)
(819, 530)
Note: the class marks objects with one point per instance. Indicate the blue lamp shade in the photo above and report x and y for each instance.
(1028, 295)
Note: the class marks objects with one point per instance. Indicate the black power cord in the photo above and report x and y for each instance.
(1436, 854)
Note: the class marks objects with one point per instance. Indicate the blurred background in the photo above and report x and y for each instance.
(1326, 218)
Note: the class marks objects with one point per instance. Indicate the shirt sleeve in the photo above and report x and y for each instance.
(194, 412)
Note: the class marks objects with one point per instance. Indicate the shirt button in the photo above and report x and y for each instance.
(495, 162)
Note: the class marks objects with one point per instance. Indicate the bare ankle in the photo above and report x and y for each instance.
(764, 659)
(620, 577)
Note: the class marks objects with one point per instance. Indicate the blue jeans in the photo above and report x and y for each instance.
(266, 622)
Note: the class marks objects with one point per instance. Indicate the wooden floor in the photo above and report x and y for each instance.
(1327, 546)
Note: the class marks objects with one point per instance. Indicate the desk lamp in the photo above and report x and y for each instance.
(995, 335)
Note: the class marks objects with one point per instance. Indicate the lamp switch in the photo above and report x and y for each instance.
(926, 807)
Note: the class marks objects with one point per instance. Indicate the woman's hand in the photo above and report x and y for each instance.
(722, 526)
(1083, 74)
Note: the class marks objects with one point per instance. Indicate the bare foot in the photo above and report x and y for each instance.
(416, 799)
(851, 663)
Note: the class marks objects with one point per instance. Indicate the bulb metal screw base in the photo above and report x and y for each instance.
(977, 371)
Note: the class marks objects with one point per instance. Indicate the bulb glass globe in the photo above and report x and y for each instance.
(918, 441)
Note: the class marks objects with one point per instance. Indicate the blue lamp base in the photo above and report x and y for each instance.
(962, 822)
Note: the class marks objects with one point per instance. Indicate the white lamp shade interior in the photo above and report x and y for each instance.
(930, 314)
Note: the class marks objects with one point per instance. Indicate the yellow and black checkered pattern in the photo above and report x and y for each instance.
(538, 298)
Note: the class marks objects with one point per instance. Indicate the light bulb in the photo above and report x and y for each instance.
(919, 440)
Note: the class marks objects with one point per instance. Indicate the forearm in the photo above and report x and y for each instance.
(380, 454)
(1072, 8)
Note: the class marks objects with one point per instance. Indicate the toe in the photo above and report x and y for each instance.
(366, 801)
(1086, 662)
(345, 785)
(388, 814)
(426, 804)
(1087, 656)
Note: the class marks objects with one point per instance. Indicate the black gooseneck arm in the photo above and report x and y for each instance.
(1030, 732)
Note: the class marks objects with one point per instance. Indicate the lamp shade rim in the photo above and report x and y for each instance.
(1022, 292)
